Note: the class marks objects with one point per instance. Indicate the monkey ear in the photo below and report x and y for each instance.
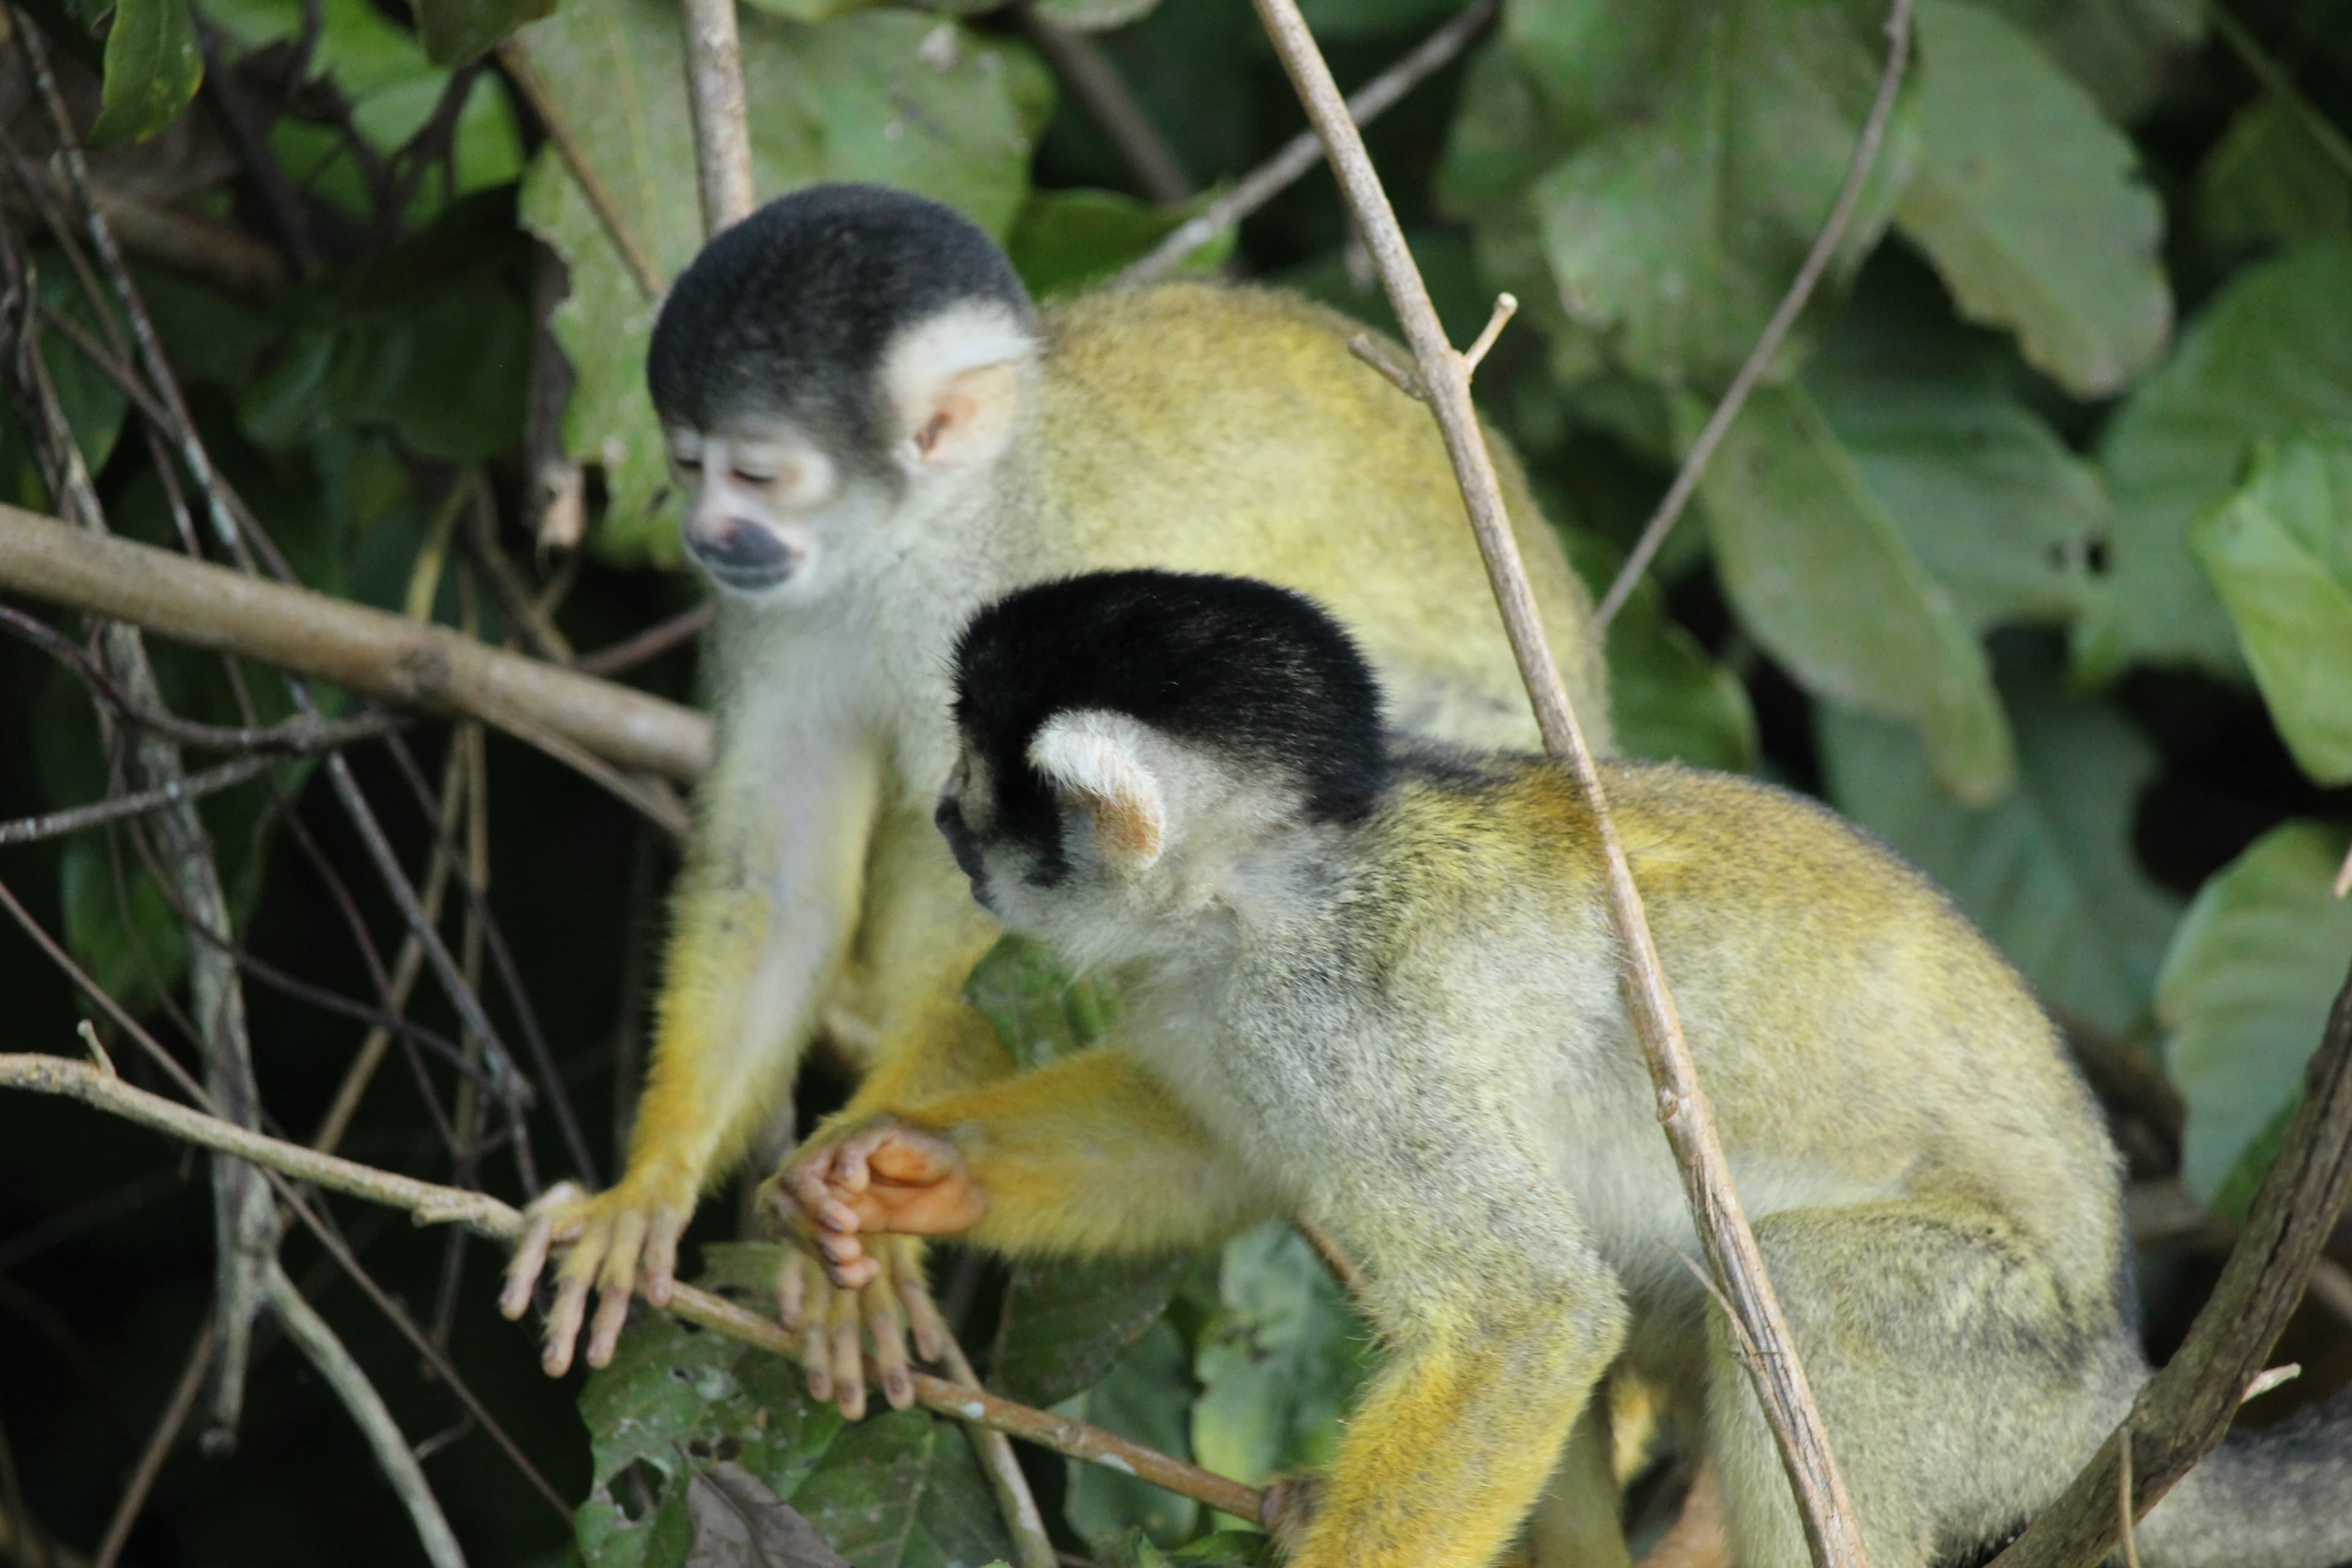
(955, 383)
(1091, 758)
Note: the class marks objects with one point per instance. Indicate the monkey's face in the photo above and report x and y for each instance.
(763, 504)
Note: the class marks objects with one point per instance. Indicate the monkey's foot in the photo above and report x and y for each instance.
(606, 1238)
(884, 1175)
(827, 1319)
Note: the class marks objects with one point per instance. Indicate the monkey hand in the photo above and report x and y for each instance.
(612, 1240)
(826, 1318)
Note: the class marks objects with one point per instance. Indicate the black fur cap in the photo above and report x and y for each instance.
(787, 312)
(1231, 664)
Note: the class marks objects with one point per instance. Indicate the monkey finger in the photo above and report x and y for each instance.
(523, 1267)
(816, 1354)
(662, 1236)
(888, 1326)
(792, 1287)
(618, 1282)
(848, 1361)
(923, 1314)
(573, 1281)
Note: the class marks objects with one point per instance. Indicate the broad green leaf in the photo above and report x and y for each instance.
(152, 68)
(2048, 871)
(2121, 50)
(2004, 517)
(739, 1522)
(1038, 1011)
(1667, 699)
(1674, 226)
(2245, 991)
(93, 405)
(1067, 241)
(2270, 356)
(903, 1490)
(1095, 15)
(2269, 182)
(455, 32)
(2280, 552)
(891, 96)
(1145, 1397)
(2031, 206)
(1280, 1364)
(1823, 578)
(1066, 1320)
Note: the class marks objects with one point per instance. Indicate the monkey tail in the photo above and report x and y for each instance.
(2277, 1498)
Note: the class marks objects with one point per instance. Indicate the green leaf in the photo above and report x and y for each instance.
(903, 1490)
(1667, 699)
(2280, 553)
(456, 32)
(2269, 182)
(1038, 1011)
(2246, 988)
(891, 96)
(152, 68)
(1675, 224)
(1095, 15)
(2004, 515)
(1281, 1361)
(1067, 1321)
(1065, 241)
(2268, 356)
(809, 10)
(2048, 872)
(2031, 206)
(1822, 577)
(1345, 20)
(2121, 50)
(2236, 1194)
(1145, 1397)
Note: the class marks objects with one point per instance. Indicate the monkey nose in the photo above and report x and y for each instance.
(741, 554)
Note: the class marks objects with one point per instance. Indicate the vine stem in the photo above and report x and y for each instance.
(1443, 378)
(428, 1203)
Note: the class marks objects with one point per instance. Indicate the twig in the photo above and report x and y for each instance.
(369, 650)
(1830, 1528)
(1031, 1547)
(1505, 306)
(1368, 348)
(1783, 317)
(74, 819)
(429, 1204)
(519, 69)
(393, 1456)
(159, 1446)
(651, 643)
(2184, 1410)
(2124, 1517)
(2281, 85)
(1303, 152)
(1111, 104)
(714, 91)
(189, 242)
(1343, 1269)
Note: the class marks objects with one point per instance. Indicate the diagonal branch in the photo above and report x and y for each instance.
(429, 1204)
(1830, 1528)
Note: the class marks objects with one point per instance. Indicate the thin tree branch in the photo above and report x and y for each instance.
(159, 1445)
(722, 130)
(1304, 150)
(633, 255)
(1784, 316)
(1094, 80)
(429, 1204)
(2184, 1410)
(1830, 1528)
(227, 258)
(371, 651)
(651, 643)
(1031, 1547)
(74, 819)
(393, 1456)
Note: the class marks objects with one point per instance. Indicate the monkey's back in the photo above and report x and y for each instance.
(1847, 1020)
(1316, 473)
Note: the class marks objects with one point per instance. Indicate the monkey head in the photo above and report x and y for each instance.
(1130, 741)
(837, 366)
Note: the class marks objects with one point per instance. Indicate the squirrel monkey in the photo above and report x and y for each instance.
(874, 433)
(1376, 984)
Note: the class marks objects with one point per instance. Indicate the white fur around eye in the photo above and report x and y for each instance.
(1097, 757)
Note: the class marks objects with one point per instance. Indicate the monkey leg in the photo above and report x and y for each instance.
(1961, 1381)
(1576, 1523)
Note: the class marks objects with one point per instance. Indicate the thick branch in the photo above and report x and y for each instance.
(2185, 1409)
(1830, 1525)
(371, 651)
(429, 1204)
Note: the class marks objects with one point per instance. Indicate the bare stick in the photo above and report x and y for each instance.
(1110, 103)
(189, 242)
(392, 1454)
(2124, 1519)
(1505, 306)
(1784, 316)
(1303, 152)
(74, 819)
(2183, 1411)
(714, 90)
(633, 255)
(429, 1204)
(651, 643)
(1031, 1545)
(371, 651)
(1830, 1526)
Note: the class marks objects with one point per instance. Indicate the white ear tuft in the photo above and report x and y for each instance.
(1092, 756)
(954, 384)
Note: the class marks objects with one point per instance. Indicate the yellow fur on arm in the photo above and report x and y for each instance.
(1089, 1155)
